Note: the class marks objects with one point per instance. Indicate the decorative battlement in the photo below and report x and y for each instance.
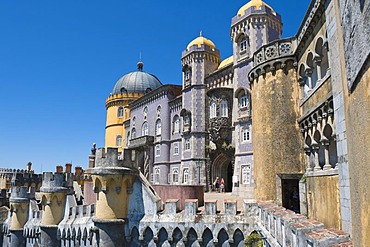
(21, 194)
(272, 56)
(255, 11)
(56, 182)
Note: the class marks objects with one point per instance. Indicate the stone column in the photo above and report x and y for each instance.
(325, 142)
(317, 61)
(307, 151)
(309, 77)
(315, 148)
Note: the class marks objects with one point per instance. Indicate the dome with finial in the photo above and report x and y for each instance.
(199, 41)
(136, 82)
(257, 4)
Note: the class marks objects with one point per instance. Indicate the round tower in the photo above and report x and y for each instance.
(19, 205)
(113, 184)
(54, 190)
(128, 88)
(276, 137)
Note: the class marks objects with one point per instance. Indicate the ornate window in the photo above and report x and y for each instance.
(145, 129)
(120, 112)
(157, 150)
(133, 121)
(223, 108)
(145, 112)
(158, 127)
(159, 111)
(133, 133)
(213, 110)
(119, 141)
(176, 149)
(186, 176)
(175, 175)
(176, 124)
(186, 119)
(187, 74)
(187, 144)
(246, 174)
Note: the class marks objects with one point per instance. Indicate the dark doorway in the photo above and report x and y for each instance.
(290, 194)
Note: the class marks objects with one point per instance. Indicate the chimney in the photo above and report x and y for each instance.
(78, 170)
(59, 169)
(68, 168)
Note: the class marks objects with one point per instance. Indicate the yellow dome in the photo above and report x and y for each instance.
(253, 3)
(201, 41)
(226, 62)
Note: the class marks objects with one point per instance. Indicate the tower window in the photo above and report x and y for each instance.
(175, 175)
(157, 150)
(246, 134)
(186, 176)
(157, 175)
(119, 141)
(243, 101)
(243, 44)
(187, 144)
(133, 121)
(120, 112)
(176, 148)
(158, 110)
(186, 119)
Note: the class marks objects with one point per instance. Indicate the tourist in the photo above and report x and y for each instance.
(216, 184)
(222, 187)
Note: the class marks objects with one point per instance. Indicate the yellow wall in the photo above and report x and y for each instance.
(277, 142)
(113, 204)
(358, 141)
(323, 200)
(53, 212)
(19, 215)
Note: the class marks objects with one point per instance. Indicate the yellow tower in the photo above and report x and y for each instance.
(128, 88)
(19, 205)
(54, 190)
(113, 183)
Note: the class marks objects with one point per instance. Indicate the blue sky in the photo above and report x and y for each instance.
(59, 60)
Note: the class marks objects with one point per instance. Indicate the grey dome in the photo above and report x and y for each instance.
(136, 82)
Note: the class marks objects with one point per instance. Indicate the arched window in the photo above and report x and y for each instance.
(213, 110)
(133, 121)
(145, 111)
(175, 175)
(246, 174)
(186, 119)
(133, 133)
(186, 176)
(176, 148)
(176, 124)
(158, 150)
(157, 175)
(145, 129)
(119, 141)
(120, 112)
(158, 127)
(223, 108)
(246, 134)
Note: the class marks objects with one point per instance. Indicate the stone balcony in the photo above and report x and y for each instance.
(141, 142)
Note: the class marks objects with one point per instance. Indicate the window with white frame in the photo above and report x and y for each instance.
(133, 133)
(176, 149)
(246, 134)
(223, 108)
(186, 176)
(120, 112)
(119, 141)
(145, 129)
(243, 101)
(157, 150)
(175, 175)
(246, 174)
(243, 44)
(187, 144)
(187, 74)
(157, 173)
(176, 124)
(186, 119)
(213, 109)
(158, 127)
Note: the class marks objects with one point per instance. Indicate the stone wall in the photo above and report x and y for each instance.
(277, 142)
(323, 200)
